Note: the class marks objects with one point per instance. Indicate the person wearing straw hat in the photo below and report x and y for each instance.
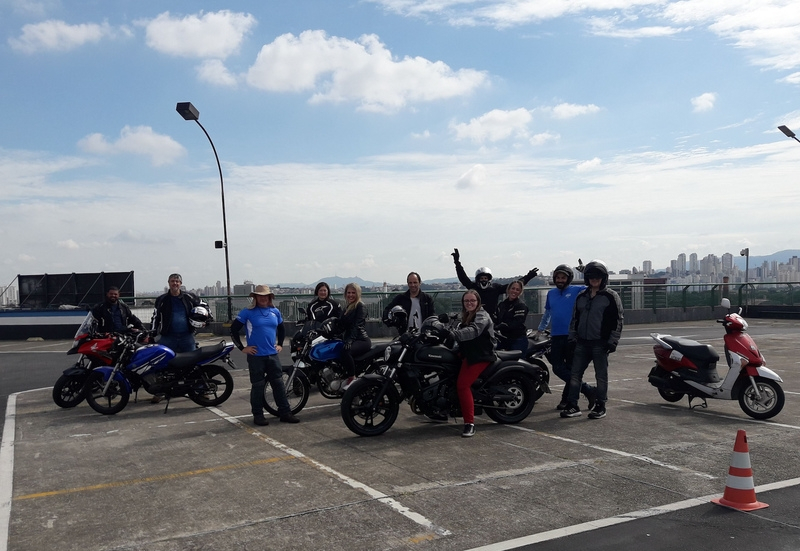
(265, 334)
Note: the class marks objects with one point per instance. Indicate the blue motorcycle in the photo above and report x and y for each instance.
(159, 370)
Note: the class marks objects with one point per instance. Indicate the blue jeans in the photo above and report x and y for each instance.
(263, 368)
(561, 358)
(178, 343)
(585, 352)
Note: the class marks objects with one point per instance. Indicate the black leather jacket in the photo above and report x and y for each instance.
(162, 314)
(105, 322)
(354, 324)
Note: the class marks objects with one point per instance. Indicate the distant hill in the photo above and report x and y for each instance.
(755, 261)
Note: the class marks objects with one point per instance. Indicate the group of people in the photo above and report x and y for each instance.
(586, 324)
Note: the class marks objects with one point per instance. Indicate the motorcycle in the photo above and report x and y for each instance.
(96, 350)
(421, 367)
(159, 370)
(538, 350)
(686, 367)
(315, 351)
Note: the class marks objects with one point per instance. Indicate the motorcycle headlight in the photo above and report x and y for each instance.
(387, 353)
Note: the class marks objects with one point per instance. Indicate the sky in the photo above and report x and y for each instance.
(371, 137)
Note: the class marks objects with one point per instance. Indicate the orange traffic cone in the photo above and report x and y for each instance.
(739, 490)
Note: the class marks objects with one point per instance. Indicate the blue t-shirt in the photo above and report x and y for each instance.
(180, 321)
(558, 309)
(261, 326)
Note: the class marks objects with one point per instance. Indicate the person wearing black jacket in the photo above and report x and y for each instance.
(488, 291)
(511, 316)
(323, 306)
(354, 324)
(113, 315)
(476, 342)
(171, 317)
(417, 304)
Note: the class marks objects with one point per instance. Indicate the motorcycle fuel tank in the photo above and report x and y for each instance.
(150, 356)
(437, 354)
(326, 351)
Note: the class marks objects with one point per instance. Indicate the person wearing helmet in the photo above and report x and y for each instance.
(558, 314)
(417, 304)
(595, 328)
(323, 306)
(265, 334)
(171, 317)
(488, 291)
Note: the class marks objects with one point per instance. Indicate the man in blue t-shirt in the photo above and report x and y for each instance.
(265, 333)
(558, 313)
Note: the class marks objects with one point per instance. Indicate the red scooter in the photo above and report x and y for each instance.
(687, 367)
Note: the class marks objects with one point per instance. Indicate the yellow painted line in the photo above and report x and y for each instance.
(151, 479)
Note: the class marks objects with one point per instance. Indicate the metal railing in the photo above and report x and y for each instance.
(635, 295)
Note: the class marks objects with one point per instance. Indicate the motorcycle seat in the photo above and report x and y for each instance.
(508, 354)
(703, 352)
(186, 359)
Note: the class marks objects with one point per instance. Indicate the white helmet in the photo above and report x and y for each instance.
(199, 317)
(483, 270)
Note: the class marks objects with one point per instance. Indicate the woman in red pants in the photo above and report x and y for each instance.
(476, 342)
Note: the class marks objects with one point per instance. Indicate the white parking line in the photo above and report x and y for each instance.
(619, 519)
(621, 453)
(7, 469)
(373, 493)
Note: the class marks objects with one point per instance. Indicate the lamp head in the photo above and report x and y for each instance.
(188, 111)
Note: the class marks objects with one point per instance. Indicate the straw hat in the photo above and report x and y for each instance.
(262, 290)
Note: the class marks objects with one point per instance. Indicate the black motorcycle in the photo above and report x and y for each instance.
(315, 350)
(422, 367)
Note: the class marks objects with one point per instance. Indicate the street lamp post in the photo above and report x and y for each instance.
(789, 134)
(190, 113)
(746, 254)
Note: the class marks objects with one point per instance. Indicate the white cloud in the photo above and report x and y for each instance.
(68, 244)
(571, 110)
(704, 102)
(338, 70)
(589, 165)
(610, 27)
(55, 35)
(474, 177)
(214, 35)
(139, 140)
(494, 126)
(214, 71)
(794, 78)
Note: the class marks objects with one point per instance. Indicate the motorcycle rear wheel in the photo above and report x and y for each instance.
(670, 395)
(518, 408)
(368, 412)
(217, 386)
(68, 391)
(771, 403)
(110, 403)
(297, 394)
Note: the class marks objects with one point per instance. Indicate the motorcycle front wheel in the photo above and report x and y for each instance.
(109, 403)
(770, 404)
(68, 391)
(367, 410)
(519, 406)
(670, 395)
(214, 386)
(296, 393)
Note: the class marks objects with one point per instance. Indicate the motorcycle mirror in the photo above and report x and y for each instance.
(444, 318)
(726, 303)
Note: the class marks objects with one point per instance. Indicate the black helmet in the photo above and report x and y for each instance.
(396, 317)
(596, 268)
(566, 270)
(199, 317)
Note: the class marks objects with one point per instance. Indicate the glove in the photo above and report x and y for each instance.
(348, 345)
(533, 273)
(580, 267)
(537, 335)
(502, 327)
(456, 256)
(611, 347)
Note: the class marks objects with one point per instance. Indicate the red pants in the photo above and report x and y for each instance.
(466, 376)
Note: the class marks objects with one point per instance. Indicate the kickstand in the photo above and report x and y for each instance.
(703, 405)
(167, 406)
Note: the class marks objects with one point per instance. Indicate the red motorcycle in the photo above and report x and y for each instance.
(687, 367)
(96, 350)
